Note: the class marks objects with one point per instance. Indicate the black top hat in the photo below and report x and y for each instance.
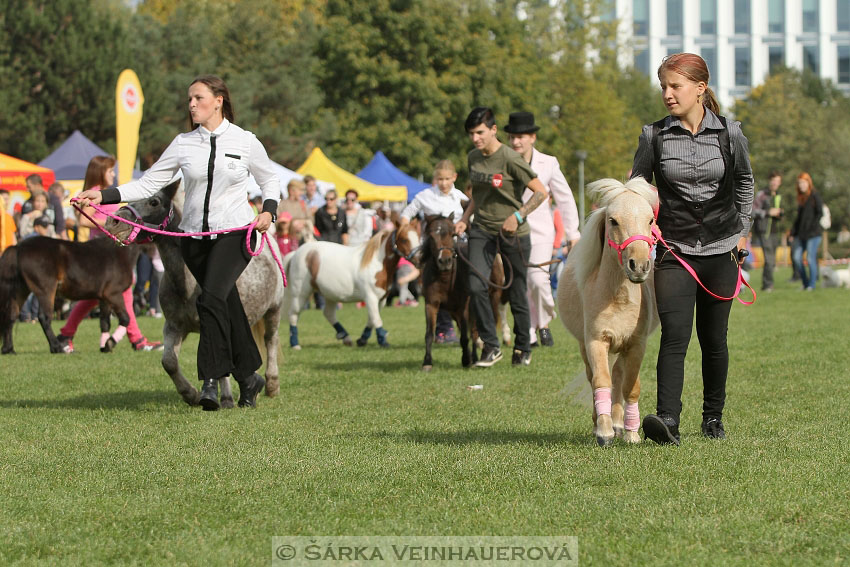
(521, 123)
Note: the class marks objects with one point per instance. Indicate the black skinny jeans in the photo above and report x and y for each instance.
(226, 345)
(677, 293)
(482, 252)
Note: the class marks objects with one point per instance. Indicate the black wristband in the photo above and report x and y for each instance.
(270, 206)
(110, 196)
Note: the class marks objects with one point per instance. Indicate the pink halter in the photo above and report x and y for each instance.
(651, 240)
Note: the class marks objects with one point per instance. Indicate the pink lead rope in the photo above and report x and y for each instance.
(139, 227)
(741, 281)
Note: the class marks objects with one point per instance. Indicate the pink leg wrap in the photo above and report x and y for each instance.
(119, 334)
(103, 338)
(632, 417)
(602, 401)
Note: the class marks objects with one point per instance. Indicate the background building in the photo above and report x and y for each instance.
(741, 40)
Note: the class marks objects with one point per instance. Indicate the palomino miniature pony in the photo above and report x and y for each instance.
(345, 274)
(606, 299)
(97, 269)
(445, 283)
(260, 289)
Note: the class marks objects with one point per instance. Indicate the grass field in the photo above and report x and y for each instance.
(102, 463)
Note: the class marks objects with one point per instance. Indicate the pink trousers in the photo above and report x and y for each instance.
(84, 307)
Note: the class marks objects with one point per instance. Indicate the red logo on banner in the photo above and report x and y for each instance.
(497, 180)
(130, 98)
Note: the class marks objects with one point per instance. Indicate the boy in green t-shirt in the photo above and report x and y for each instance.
(499, 177)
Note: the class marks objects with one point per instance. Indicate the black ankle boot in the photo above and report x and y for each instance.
(209, 395)
(249, 388)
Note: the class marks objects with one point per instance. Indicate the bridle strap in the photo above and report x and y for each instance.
(651, 240)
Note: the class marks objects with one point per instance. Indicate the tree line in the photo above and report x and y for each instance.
(357, 76)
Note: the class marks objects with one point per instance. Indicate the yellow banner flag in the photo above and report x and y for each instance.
(128, 117)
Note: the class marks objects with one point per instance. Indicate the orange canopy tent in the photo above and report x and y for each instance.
(13, 175)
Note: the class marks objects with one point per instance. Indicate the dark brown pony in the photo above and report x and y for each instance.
(445, 283)
(97, 269)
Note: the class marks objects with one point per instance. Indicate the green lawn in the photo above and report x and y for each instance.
(102, 463)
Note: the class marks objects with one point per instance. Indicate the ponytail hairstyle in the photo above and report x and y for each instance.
(96, 172)
(803, 197)
(218, 87)
(693, 68)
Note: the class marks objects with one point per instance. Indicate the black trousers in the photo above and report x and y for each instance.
(226, 345)
(677, 295)
(482, 251)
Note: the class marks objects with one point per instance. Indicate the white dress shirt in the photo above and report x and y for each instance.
(237, 152)
(432, 201)
(540, 219)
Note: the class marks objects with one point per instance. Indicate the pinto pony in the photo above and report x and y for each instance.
(260, 289)
(606, 299)
(97, 269)
(346, 274)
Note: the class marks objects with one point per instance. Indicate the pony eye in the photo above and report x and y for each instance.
(154, 202)
(614, 222)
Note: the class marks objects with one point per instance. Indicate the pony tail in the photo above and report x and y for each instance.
(709, 100)
(9, 280)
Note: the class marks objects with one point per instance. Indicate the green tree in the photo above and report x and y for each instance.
(60, 60)
(794, 123)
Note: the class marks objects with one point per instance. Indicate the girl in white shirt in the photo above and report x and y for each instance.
(215, 159)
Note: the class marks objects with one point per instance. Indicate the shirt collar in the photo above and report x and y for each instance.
(709, 122)
(205, 134)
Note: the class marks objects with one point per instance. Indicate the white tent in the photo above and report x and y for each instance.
(285, 174)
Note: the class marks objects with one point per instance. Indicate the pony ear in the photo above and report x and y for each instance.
(171, 189)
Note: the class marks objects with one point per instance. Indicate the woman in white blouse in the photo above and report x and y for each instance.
(215, 159)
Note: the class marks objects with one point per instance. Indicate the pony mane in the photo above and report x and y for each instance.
(589, 248)
(372, 246)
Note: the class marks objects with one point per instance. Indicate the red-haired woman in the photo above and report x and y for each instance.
(807, 232)
(100, 174)
(701, 165)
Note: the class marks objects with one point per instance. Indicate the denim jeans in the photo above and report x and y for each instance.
(810, 247)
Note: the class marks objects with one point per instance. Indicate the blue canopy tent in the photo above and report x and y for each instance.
(381, 171)
(71, 159)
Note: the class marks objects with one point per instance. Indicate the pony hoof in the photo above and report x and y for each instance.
(191, 397)
(227, 403)
(110, 344)
(272, 387)
(604, 441)
(631, 437)
(618, 432)
(361, 341)
(427, 368)
(347, 341)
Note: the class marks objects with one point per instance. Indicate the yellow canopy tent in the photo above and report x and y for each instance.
(13, 175)
(318, 165)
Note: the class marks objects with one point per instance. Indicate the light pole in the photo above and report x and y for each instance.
(581, 155)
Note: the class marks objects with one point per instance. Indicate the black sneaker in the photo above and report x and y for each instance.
(712, 428)
(546, 337)
(489, 357)
(662, 429)
(521, 358)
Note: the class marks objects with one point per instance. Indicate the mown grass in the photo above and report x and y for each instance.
(102, 463)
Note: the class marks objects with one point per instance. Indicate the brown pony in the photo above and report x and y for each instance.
(445, 283)
(97, 269)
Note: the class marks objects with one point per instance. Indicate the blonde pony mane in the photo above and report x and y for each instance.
(372, 246)
(589, 249)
